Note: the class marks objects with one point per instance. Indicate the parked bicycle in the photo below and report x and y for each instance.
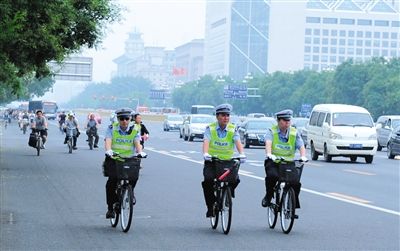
(126, 169)
(284, 198)
(227, 173)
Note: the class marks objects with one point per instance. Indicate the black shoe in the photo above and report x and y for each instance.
(210, 213)
(110, 214)
(75, 148)
(65, 142)
(265, 201)
(96, 146)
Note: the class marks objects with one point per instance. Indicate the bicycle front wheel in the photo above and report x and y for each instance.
(273, 210)
(288, 207)
(214, 219)
(126, 208)
(70, 145)
(226, 210)
(38, 145)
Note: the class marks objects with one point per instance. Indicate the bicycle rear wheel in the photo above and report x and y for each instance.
(126, 208)
(288, 207)
(226, 209)
(114, 221)
(273, 210)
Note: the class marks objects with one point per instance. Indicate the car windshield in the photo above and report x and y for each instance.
(352, 119)
(395, 123)
(300, 122)
(259, 125)
(175, 118)
(202, 120)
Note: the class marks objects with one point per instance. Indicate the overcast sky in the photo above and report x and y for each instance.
(166, 23)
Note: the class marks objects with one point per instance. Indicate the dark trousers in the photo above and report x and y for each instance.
(111, 185)
(74, 139)
(209, 174)
(272, 177)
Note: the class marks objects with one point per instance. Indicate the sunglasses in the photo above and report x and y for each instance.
(224, 114)
(124, 118)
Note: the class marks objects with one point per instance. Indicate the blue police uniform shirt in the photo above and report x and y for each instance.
(284, 137)
(221, 133)
(121, 132)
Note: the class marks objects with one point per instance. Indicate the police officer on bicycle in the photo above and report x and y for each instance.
(220, 138)
(281, 140)
(124, 139)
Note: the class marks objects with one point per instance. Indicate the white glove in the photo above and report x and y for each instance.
(142, 155)
(242, 158)
(303, 159)
(207, 157)
(109, 153)
(271, 157)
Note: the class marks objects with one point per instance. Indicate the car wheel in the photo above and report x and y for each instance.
(327, 157)
(314, 154)
(245, 143)
(379, 147)
(180, 134)
(389, 151)
(369, 159)
(353, 158)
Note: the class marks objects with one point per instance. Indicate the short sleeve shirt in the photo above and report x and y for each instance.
(284, 137)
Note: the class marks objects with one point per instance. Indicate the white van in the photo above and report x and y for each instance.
(341, 130)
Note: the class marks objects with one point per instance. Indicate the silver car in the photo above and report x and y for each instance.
(195, 125)
(172, 122)
(384, 127)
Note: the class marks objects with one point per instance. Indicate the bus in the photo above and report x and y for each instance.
(203, 109)
(50, 109)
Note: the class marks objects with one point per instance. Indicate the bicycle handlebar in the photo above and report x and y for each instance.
(117, 155)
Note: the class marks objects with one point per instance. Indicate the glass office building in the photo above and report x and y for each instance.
(266, 36)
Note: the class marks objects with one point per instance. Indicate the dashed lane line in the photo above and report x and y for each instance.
(335, 196)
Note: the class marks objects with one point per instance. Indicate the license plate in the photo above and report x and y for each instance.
(356, 146)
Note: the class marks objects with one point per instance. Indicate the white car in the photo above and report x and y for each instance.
(195, 125)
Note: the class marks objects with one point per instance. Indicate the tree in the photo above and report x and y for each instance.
(36, 32)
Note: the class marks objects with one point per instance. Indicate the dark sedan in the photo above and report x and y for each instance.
(252, 131)
(394, 143)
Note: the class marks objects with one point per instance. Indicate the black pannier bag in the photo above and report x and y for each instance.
(222, 166)
(32, 140)
(124, 170)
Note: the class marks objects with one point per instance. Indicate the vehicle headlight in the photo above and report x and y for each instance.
(333, 135)
(252, 135)
(372, 137)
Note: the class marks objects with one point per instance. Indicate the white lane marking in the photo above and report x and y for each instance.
(177, 151)
(258, 165)
(241, 171)
(347, 197)
(303, 189)
(359, 172)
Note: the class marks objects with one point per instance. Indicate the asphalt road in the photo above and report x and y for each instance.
(56, 201)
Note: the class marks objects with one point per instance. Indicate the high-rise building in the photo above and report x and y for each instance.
(265, 36)
(189, 61)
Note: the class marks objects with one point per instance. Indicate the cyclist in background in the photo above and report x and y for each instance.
(144, 133)
(40, 125)
(61, 119)
(125, 140)
(92, 128)
(281, 140)
(220, 138)
(72, 123)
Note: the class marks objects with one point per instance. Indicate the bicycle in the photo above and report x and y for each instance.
(70, 133)
(39, 141)
(284, 197)
(227, 172)
(91, 132)
(126, 169)
(25, 124)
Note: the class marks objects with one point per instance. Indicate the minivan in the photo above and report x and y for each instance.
(341, 130)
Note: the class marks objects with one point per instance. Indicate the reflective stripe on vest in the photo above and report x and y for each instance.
(123, 144)
(284, 149)
(223, 148)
